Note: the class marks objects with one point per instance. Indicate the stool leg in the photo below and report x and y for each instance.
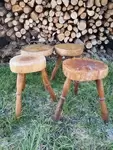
(104, 111)
(47, 84)
(19, 84)
(76, 85)
(24, 81)
(56, 67)
(59, 107)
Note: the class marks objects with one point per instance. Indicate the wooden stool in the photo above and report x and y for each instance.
(83, 70)
(27, 64)
(70, 50)
(37, 49)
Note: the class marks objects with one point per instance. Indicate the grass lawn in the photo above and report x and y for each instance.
(81, 129)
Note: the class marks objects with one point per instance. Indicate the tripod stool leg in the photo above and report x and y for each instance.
(59, 107)
(59, 59)
(47, 84)
(24, 82)
(76, 85)
(104, 111)
(19, 85)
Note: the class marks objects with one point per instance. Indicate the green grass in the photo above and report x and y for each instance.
(81, 129)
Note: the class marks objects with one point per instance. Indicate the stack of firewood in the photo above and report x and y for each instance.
(91, 21)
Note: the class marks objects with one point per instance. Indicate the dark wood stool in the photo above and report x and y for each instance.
(69, 50)
(22, 65)
(79, 70)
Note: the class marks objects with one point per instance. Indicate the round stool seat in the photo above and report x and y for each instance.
(37, 49)
(27, 64)
(69, 49)
(79, 69)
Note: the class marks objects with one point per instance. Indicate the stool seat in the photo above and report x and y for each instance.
(36, 49)
(84, 69)
(69, 49)
(27, 64)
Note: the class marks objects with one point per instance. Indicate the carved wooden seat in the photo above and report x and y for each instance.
(70, 50)
(84, 69)
(27, 64)
(37, 49)
(22, 65)
(79, 70)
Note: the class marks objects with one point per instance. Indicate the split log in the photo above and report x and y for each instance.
(81, 10)
(13, 2)
(34, 16)
(104, 2)
(8, 6)
(16, 8)
(31, 3)
(22, 4)
(82, 25)
(66, 2)
(73, 15)
(74, 2)
(61, 37)
(27, 9)
(88, 44)
(90, 3)
(39, 8)
(10, 32)
(97, 3)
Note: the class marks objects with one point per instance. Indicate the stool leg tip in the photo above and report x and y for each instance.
(105, 118)
(57, 118)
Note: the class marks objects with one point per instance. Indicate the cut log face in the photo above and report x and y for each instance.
(81, 10)
(74, 2)
(61, 37)
(104, 2)
(66, 16)
(82, 25)
(34, 16)
(90, 12)
(73, 15)
(53, 3)
(39, 8)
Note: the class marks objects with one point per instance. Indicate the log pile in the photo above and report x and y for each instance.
(91, 21)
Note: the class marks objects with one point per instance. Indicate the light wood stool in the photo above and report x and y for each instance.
(70, 50)
(37, 49)
(27, 64)
(83, 70)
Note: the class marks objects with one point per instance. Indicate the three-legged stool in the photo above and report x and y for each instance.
(83, 70)
(27, 64)
(37, 49)
(69, 50)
